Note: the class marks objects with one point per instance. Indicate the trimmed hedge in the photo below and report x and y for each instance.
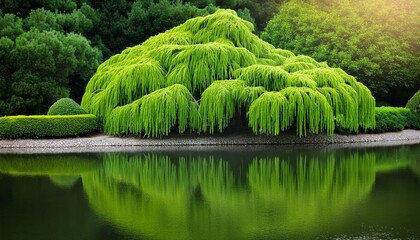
(389, 119)
(40, 126)
(65, 106)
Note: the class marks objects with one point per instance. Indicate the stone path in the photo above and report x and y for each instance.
(101, 142)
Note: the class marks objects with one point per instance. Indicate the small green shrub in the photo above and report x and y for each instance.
(65, 106)
(414, 103)
(39, 126)
(389, 119)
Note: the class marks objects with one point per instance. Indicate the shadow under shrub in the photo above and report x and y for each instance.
(40, 126)
(391, 119)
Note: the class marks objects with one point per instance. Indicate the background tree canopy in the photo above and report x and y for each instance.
(49, 49)
(43, 59)
(377, 41)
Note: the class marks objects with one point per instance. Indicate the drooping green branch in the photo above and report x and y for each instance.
(304, 59)
(298, 66)
(122, 85)
(302, 80)
(219, 102)
(225, 24)
(155, 114)
(273, 112)
(269, 114)
(367, 105)
(271, 78)
(283, 52)
(250, 94)
(344, 101)
(309, 109)
(197, 66)
(324, 77)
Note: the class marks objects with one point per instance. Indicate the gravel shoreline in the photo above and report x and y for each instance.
(102, 142)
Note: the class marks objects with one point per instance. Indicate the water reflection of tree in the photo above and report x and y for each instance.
(166, 198)
(310, 193)
(154, 196)
(185, 196)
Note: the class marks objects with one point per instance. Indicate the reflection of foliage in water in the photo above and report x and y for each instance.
(64, 181)
(151, 195)
(389, 159)
(311, 190)
(212, 197)
(166, 198)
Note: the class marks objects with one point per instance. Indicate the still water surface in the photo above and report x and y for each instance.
(213, 193)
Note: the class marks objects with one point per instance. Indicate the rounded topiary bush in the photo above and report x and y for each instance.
(65, 106)
(414, 103)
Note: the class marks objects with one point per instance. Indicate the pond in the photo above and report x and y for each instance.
(254, 192)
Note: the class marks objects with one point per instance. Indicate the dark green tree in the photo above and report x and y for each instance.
(42, 19)
(126, 23)
(261, 11)
(375, 41)
(147, 19)
(22, 8)
(38, 66)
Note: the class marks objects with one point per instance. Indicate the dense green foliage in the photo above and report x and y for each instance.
(151, 88)
(177, 186)
(414, 103)
(273, 112)
(219, 103)
(40, 126)
(65, 106)
(121, 24)
(378, 47)
(42, 56)
(175, 103)
(188, 194)
(375, 41)
(390, 119)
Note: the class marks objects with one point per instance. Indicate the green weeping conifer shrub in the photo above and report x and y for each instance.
(177, 80)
